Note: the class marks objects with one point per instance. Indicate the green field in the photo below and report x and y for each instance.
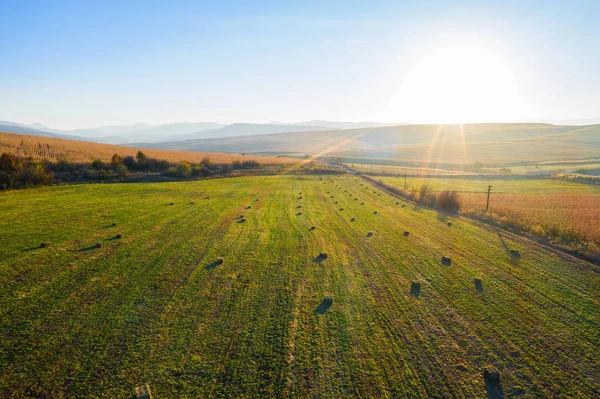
(153, 307)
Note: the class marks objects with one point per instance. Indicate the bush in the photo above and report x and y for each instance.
(97, 164)
(115, 160)
(183, 169)
(448, 201)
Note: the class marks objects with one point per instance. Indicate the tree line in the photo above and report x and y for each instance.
(19, 172)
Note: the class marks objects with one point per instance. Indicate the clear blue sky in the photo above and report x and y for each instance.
(72, 64)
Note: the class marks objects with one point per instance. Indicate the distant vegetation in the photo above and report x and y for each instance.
(18, 172)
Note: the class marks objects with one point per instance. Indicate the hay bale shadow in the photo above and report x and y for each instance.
(241, 221)
(214, 264)
(478, 285)
(493, 386)
(90, 248)
(406, 234)
(515, 254)
(42, 245)
(415, 289)
(324, 305)
(446, 261)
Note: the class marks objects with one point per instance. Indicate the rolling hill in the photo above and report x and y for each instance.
(54, 149)
(434, 145)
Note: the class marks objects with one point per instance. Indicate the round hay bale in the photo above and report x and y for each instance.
(403, 205)
(449, 224)
(98, 245)
(323, 255)
(406, 234)
(118, 236)
(446, 261)
(171, 203)
(370, 234)
(219, 260)
(114, 224)
(313, 227)
(44, 245)
(352, 220)
(491, 374)
(341, 209)
(192, 203)
(514, 253)
(374, 212)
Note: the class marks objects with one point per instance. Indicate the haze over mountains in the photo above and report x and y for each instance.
(144, 133)
(366, 142)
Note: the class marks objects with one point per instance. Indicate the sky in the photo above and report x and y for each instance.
(74, 64)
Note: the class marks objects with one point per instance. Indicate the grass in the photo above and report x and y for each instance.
(78, 321)
(562, 211)
(52, 149)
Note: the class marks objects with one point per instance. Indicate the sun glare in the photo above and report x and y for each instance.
(457, 84)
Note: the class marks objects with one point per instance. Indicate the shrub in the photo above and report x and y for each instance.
(97, 164)
(448, 201)
(183, 169)
(115, 160)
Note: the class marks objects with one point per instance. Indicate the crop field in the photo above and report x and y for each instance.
(274, 318)
(562, 211)
(52, 149)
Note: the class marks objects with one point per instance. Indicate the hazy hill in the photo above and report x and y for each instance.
(250, 129)
(24, 129)
(496, 143)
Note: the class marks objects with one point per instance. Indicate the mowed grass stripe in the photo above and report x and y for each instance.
(147, 307)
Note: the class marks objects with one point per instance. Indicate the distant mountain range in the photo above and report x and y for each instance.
(145, 133)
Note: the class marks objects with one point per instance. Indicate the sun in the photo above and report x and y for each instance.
(457, 84)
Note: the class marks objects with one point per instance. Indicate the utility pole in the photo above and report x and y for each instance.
(405, 179)
(487, 205)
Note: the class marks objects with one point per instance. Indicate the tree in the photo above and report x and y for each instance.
(122, 170)
(141, 158)
(424, 192)
(183, 169)
(478, 167)
(448, 201)
(97, 164)
(115, 160)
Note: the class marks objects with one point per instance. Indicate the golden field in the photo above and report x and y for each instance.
(53, 149)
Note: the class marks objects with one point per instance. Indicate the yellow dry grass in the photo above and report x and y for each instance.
(52, 149)
(572, 219)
